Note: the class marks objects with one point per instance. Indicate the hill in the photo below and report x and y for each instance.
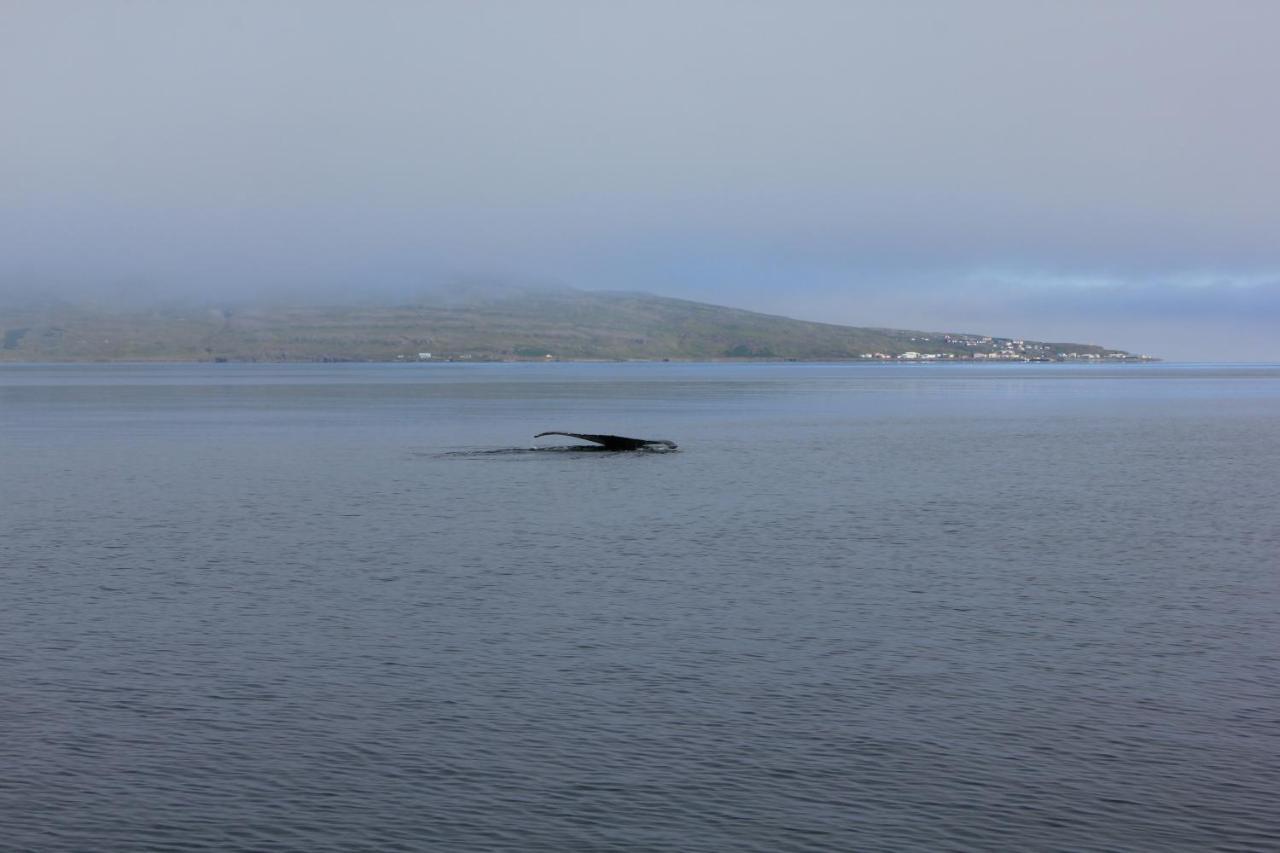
(509, 325)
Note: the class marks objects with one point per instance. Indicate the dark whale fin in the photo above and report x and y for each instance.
(617, 442)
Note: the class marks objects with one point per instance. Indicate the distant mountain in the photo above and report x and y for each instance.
(506, 324)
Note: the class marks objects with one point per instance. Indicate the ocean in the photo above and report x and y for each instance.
(863, 607)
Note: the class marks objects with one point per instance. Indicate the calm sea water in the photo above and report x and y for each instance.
(864, 607)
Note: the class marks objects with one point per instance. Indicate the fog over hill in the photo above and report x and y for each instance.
(1057, 170)
(483, 323)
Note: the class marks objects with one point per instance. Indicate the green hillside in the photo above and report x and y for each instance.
(563, 324)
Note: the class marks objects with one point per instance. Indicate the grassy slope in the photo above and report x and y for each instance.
(566, 324)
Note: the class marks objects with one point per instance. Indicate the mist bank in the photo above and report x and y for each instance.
(496, 323)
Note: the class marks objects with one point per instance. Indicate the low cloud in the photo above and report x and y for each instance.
(860, 162)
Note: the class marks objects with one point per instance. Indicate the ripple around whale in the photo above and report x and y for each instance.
(557, 449)
(873, 609)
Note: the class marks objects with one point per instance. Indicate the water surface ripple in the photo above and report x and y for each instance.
(334, 608)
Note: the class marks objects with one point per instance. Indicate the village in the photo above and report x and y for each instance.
(986, 348)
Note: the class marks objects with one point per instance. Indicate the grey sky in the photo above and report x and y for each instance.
(1081, 170)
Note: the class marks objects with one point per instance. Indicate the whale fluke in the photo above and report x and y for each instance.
(617, 442)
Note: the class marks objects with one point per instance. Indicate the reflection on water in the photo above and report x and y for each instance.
(863, 607)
